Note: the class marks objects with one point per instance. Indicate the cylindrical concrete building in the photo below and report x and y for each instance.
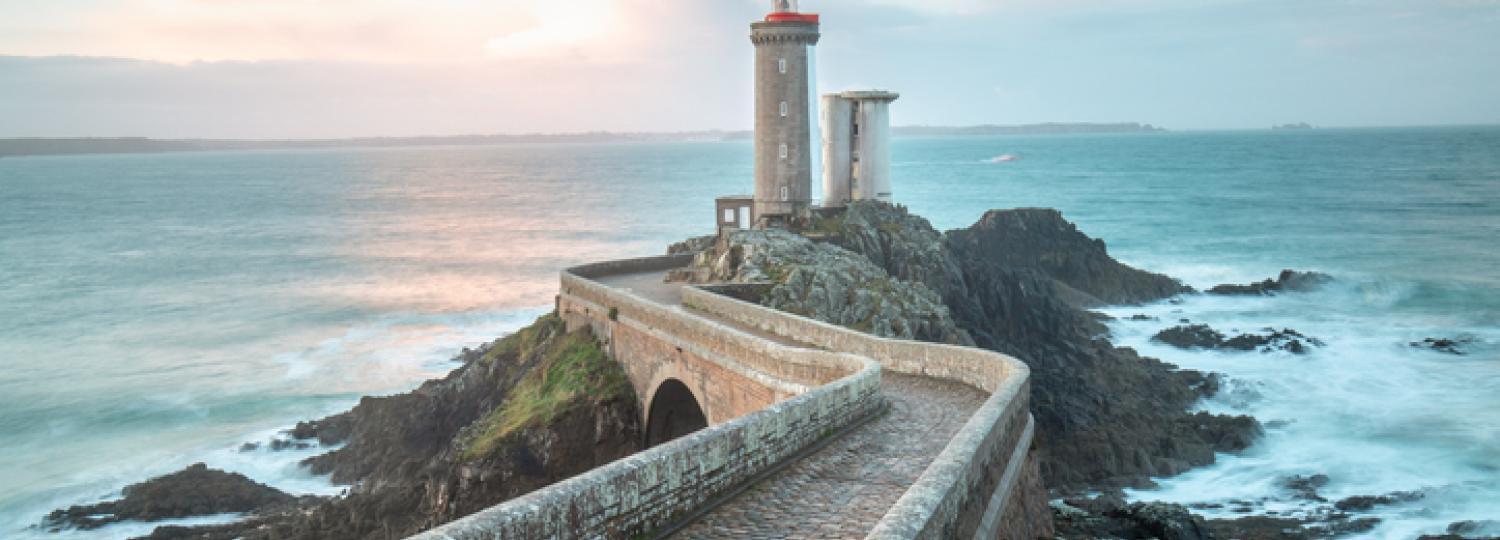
(857, 147)
(783, 133)
(838, 141)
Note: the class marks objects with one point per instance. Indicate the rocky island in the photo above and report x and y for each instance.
(544, 404)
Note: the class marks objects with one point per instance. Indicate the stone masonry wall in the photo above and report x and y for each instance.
(966, 491)
(654, 488)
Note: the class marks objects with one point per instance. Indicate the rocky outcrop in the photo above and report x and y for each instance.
(1365, 503)
(827, 283)
(1288, 281)
(1017, 282)
(1108, 516)
(692, 245)
(1201, 336)
(1041, 240)
(1472, 530)
(1317, 527)
(524, 412)
(1306, 487)
(194, 491)
(1454, 346)
(1079, 268)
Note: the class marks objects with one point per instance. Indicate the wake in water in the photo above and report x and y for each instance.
(1376, 424)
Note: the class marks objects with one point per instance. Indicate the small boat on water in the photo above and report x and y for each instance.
(1004, 158)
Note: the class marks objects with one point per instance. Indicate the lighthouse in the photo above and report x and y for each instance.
(783, 105)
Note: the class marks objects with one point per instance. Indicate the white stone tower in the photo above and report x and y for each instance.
(857, 147)
(783, 132)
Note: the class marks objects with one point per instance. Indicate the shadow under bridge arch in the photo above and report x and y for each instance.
(674, 412)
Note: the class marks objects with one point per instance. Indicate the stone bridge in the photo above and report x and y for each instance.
(764, 424)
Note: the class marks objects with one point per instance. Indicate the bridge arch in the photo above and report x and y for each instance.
(673, 411)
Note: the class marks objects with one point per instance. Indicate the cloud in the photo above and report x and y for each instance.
(560, 27)
(299, 68)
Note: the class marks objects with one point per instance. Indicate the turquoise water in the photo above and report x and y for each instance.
(162, 309)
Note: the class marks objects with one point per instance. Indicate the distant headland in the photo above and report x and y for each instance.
(40, 146)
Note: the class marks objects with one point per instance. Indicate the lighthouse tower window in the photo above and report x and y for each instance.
(781, 65)
(783, 151)
(783, 108)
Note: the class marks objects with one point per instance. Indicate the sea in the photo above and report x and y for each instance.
(158, 310)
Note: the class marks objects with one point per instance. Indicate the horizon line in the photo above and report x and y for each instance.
(1080, 127)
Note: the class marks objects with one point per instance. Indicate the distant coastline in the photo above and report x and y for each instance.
(40, 146)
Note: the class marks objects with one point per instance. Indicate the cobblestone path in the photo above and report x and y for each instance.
(844, 489)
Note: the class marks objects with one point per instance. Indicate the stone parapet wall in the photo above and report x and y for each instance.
(965, 492)
(583, 300)
(643, 493)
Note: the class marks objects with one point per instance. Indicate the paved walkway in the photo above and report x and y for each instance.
(842, 490)
(652, 286)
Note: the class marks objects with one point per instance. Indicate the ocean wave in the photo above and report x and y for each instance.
(390, 354)
(1370, 411)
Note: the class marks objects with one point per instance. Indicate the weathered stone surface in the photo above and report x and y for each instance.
(1454, 346)
(1168, 521)
(1317, 527)
(967, 490)
(1028, 515)
(1109, 516)
(692, 245)
(1017, 282)
(1470, 530)
(1288, 281)
(651, 489)
(831, 284)
(845, 488)
(1040, 240)
(1365, 503)
(1306, 487)
(1201, 336)
(194, 491)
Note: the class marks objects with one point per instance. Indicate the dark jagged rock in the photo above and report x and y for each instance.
(328, 431)
(1041, 240)
(1198, 336)
(1472, 530)
(1018, 282)
(1222, 433)
(1168, 521)
(278, 445)
(1364, 503)
(1108, 516)
(830, 284)
(1306, 487)
(1201, 336)
(692, 245)
(194, 491)
(1445, 345)
(1288, 281)
(1320, 527)
(1143, 317)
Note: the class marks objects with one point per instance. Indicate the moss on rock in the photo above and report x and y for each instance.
(573, 371)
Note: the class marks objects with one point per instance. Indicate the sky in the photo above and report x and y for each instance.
(342, 68)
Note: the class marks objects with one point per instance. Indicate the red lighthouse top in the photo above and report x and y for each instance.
(796, 17)
(786, 10)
